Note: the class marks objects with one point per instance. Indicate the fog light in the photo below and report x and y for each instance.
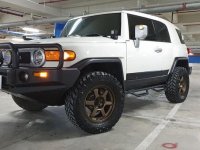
(23, 76)
(41, 74)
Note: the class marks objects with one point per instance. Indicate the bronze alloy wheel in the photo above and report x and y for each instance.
(182, 87)
(99, 104)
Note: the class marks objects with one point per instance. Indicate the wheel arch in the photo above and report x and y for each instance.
(108, 65)
(180, 62)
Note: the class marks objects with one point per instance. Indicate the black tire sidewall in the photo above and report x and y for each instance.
(172, 87)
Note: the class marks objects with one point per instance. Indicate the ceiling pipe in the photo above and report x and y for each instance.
(172, 3)
(52, 1)
(150, 10)
(10, 13)
(164, 9)
(7, 10)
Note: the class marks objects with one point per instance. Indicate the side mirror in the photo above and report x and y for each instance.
(114, 34)
(141, 32)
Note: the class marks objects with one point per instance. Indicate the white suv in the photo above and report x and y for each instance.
(98, 58)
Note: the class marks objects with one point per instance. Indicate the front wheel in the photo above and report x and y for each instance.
(178, 85)
(28, 105)
(96, 103)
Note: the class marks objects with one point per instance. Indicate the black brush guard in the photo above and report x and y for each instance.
(49, 91)
(15, 51)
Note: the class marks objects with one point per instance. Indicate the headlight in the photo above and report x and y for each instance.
(7, 56)
(38, 58)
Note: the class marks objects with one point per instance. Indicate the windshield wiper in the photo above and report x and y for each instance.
(89, 35)
(94, 34)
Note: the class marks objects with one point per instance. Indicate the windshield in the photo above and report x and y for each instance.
(100, 25)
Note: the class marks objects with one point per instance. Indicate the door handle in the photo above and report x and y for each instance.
(158, 50)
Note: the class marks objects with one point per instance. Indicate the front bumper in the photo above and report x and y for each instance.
(50, 90)
(12, 79)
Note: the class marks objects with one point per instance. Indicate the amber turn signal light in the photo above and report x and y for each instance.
(52, 55)
(55, 55)
(41, 74)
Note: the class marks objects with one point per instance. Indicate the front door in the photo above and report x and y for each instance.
(146, 65)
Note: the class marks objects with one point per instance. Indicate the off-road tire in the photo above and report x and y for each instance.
(28, 105)
(173, 85)
(75, 107)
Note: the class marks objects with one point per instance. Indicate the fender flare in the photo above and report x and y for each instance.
(104, 61)
(83, 63)
(176, 60)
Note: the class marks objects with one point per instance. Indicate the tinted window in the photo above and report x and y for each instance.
(101, 25)
(161, 32)
(136, 20)
(180, 36)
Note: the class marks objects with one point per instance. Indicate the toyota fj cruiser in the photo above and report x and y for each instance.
(97, 60)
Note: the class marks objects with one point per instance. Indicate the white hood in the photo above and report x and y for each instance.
(86, 47)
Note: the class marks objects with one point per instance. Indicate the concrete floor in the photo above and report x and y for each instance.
(147, 123)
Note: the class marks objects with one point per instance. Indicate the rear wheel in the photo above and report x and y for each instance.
(28, 105)
(178, 85)
(96, 103)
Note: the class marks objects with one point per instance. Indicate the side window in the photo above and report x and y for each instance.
(180, 36)
(161, 32)
(137, 20)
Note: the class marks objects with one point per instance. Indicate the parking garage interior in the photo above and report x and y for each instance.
(147, 123)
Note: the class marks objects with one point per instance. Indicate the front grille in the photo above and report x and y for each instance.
(24, 57)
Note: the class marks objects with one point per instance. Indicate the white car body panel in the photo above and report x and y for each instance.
(89, 47)
(145, 59)
(142, 59)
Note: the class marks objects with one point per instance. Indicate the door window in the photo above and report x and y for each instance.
(137, 20)
(161, 32)
(157, 31)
